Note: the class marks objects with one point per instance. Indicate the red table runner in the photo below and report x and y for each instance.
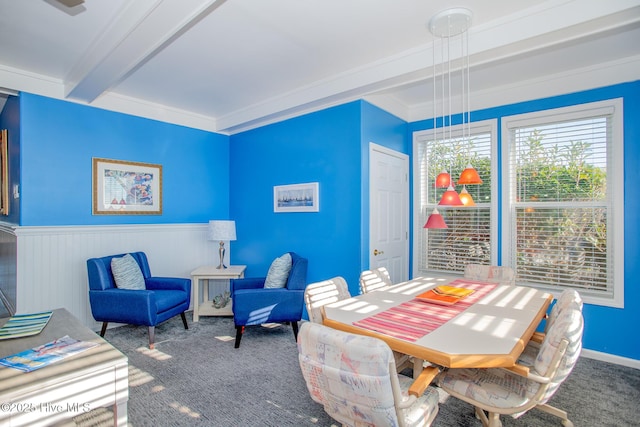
(414, 319)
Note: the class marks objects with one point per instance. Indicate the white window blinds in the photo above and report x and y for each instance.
(468, 236)
(561, 206)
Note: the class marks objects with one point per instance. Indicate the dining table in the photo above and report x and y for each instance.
(487, 327)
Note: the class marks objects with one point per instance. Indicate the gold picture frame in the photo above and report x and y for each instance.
(4, 172)
(126, 188)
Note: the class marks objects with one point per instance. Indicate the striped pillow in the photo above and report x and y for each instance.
(278, 272)
(127, 273)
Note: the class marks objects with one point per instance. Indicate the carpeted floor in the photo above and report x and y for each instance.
(195, 377)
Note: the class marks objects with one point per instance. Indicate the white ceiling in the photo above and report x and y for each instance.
(231, 65)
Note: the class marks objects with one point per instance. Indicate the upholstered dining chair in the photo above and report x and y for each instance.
(569, 298)
(371, 280)
(516, 390)
(122, 290)
(490, 273)
(354, 378)
(325, 292)
(276, 298)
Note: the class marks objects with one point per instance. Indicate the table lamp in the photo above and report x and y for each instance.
(221, 231)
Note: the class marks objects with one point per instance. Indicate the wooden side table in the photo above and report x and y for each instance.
(206, 308)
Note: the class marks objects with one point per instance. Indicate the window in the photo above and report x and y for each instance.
(559, 221)
(471, 233)
(563, 197)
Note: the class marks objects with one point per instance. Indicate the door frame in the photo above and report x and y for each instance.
(405, 158)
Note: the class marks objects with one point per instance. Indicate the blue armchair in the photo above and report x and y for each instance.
(254, 305)
(162, 298)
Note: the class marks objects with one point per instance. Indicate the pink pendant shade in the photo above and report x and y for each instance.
(435, 220)
(450, 198)
(469, 176)
(443, 180)
(466, 198)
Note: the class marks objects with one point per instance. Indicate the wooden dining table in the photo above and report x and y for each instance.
(486, 329)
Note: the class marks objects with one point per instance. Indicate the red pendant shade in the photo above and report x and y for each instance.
(443, 180)
(450, 198)
(466, 198)
(435, 220)
(469, 176)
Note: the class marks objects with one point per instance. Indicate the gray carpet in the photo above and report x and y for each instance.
(196, 377)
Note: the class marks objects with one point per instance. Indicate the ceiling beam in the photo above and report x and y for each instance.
(137, 33)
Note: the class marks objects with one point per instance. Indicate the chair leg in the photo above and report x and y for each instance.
(152, 337)
(104, 328)
(184, 320)
(294, 325)
(239, 332)
(556, 412)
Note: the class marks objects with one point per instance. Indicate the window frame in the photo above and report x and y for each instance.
(484, 126)
(615, 186)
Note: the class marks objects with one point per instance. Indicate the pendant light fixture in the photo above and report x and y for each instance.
(450, 198)
(435, 220)
(443, 180)
(446, 26)
(469, 176)
(466, 198)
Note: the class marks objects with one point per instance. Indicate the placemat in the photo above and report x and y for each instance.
(414, 319)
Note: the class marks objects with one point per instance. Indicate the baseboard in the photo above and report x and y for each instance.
(611, 358)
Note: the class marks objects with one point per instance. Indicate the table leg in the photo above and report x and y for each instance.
(120, 417)
(418, 365)
(196, 298)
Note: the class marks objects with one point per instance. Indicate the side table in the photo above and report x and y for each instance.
(205, 307)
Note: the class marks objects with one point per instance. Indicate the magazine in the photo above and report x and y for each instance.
(24, 325)
(46, 354)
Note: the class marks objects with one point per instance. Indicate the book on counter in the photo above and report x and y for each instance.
(24, 325)
(46, 354)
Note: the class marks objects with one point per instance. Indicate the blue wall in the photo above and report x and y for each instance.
(321, 147)
(10, 120)
(59, 139)
(606, 329)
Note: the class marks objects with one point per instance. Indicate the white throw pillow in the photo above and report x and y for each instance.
(127, 273)
(278, 272)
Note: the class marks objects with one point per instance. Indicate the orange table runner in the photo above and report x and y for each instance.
(414, 319)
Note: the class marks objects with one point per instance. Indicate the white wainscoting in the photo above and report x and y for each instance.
(52, 269)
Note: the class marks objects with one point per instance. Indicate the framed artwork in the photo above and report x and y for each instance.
(126, 188)
(296, 198)
(4, 173)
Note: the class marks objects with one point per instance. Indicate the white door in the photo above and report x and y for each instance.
(389, 211)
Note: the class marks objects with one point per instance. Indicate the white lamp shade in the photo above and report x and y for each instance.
(222, 230)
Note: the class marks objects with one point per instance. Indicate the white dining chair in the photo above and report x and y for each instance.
(490, 273)
(371, 280)
(318, 294)
(354, 378)
(514, 391)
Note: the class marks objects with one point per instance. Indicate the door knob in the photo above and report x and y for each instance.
(377, 252)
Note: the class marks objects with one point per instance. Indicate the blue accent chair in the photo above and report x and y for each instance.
(163, 298)
(254, 305)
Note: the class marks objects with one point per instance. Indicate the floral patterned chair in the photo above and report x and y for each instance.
(319, 294)
(354, 378)
(569, 298)
(516, 390)
(490, 273)
(371, 280)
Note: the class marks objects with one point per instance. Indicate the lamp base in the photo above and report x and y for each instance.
(221, 253)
